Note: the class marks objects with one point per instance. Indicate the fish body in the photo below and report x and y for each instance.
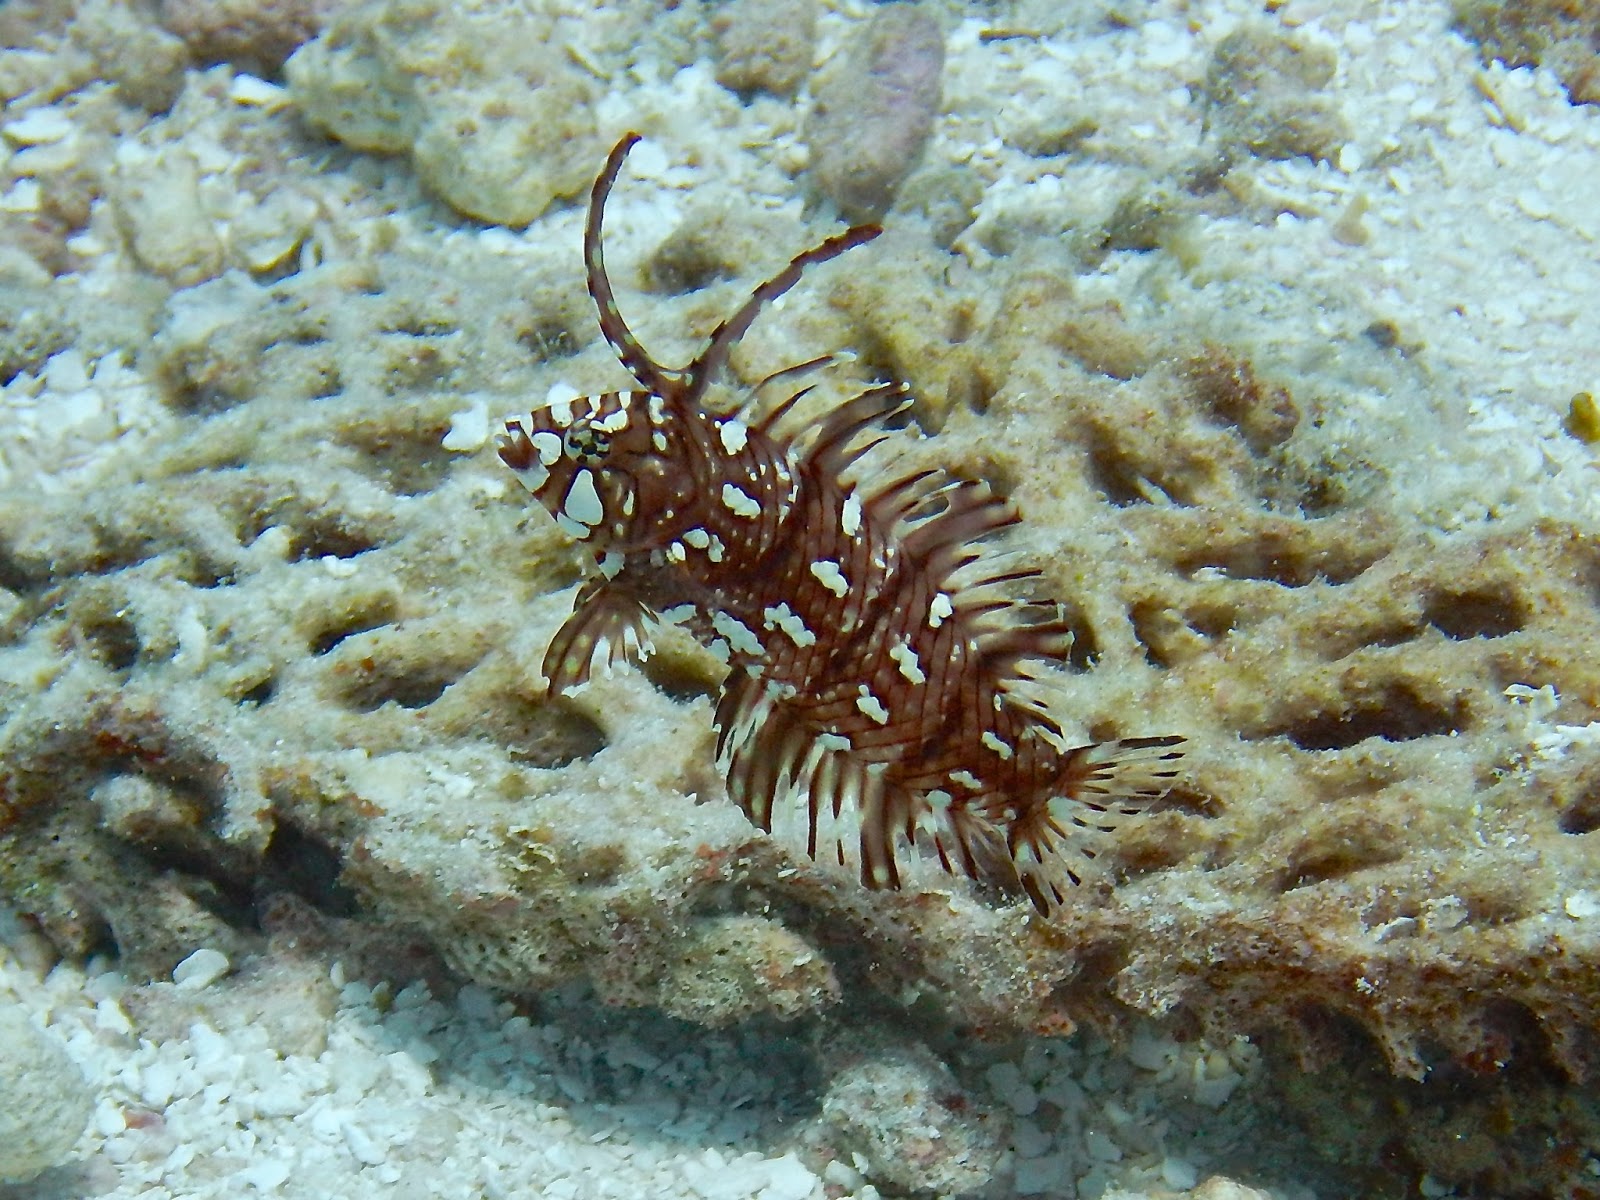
(873, 646)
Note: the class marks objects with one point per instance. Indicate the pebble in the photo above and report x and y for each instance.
(201, 969)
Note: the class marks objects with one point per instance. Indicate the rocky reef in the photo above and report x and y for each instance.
(271, 613)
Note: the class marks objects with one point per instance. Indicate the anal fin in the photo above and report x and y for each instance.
(803, 785)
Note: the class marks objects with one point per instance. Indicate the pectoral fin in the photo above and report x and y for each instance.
(607, 625)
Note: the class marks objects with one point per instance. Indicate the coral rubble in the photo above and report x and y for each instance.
(1264, 92)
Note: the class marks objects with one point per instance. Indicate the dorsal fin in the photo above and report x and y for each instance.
(838, 442)
(949, 539)
(726, 335)
(686, 384)
(653, 377)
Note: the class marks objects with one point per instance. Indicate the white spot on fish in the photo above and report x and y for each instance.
(939, 611)
(627, 503)
(561, 412)
(967, 780)
(676, 553)
(737, 633)
(782, 617)
(833, 743)
(678, 614)
(734, 435)
(583, 501)
(533, 477)
(617, 421)
(548, 445)
(871, 705)
(906, 659)
(739, 503)
(659, 441)
(698, 538)
(717, 549)
(611, 564)
(827, 573)
(850, 517)
(569, 526)
(995, 743)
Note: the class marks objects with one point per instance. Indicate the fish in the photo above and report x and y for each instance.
(877, 704)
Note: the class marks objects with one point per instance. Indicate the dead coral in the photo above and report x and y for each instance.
(168, 230)
(100, 40)
(497, 120)
(1520, 1131)
(917, 334)
(254, 37)
(50, 1101)
(1354, 668)
(713, 242)
(1264, 94)
(765, 45)
(33, 326)
(902, 1115)
(735, 967)
(171, 207)
(144, 61)
(1265, 413)
(1563, 35)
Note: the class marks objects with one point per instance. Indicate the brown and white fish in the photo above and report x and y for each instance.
(873, 650)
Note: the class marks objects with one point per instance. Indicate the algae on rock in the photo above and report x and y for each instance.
(496, 117)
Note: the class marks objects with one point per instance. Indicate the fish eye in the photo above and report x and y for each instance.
(585, 444)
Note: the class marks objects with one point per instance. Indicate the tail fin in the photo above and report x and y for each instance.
(1052, 840)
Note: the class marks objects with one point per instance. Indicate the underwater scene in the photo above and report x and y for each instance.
(799, 599)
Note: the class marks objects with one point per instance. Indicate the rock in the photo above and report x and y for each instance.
(496, 117)
(874, 112)
(47, 1100)
(765, 45)
(1264, 94)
